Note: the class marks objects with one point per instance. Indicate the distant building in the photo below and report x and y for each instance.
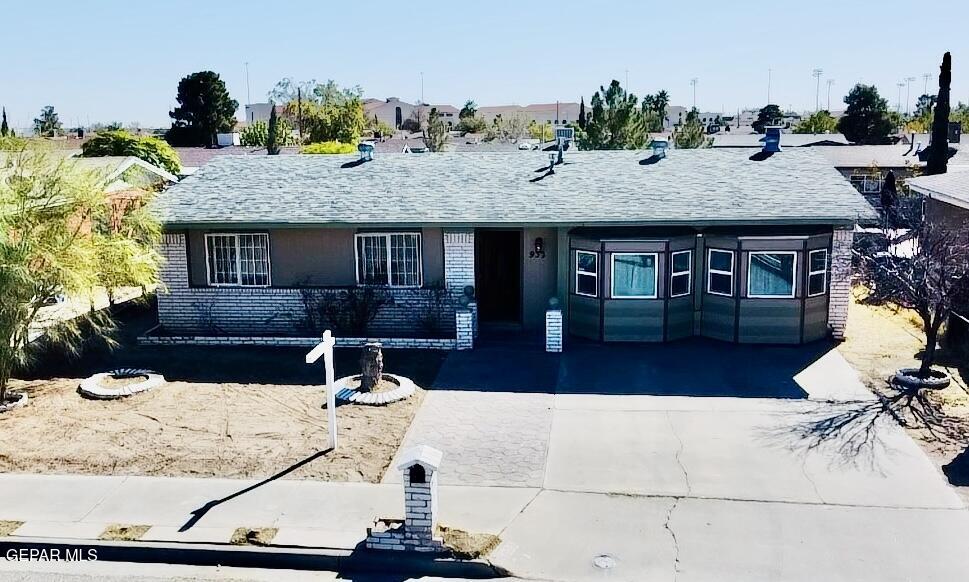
(260, 112)
(552, 113)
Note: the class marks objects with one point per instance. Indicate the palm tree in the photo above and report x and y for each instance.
(660, 102)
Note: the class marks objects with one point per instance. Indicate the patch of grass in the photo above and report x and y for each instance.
(260, 536)
(8, 527)
(120, 532)
(468, 546)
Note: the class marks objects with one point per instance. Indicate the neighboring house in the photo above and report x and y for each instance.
(634, 247)
(391, 111)
(946, 198)
(866, 166)
(260, 112)
(552, 113)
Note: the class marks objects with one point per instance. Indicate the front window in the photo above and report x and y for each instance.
(771, 274)
(586, 273)
(634, 275)
(389, 259)
(720, 272)
(680, 273)
(817, 272)
(240, 260)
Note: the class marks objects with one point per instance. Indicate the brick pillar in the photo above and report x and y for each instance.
(553, 330)
(473, 307)
(458, 260)
(839, 287)
(173, 274)
(464, 331)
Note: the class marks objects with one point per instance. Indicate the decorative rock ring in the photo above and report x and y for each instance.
(405, 389)
(92, 387)
(14, 400)
(908, 377)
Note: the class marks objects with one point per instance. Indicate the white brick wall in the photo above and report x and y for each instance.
(553, 330)
(840, 285)
(464, 329)
(458, 259)
(251, 311)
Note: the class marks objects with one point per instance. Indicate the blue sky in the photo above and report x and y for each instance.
(121, 61)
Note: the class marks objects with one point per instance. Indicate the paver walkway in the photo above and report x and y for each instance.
(488, 438)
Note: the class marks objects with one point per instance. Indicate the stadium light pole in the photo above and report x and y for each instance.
(908, 94)
(898, 105)
(830, 82)
(817, 92)
(693, 83)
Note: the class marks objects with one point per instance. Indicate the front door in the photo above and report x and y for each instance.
(498, 275)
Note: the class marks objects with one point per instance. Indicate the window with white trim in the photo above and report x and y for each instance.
(817, 272)
(633, 275)
(771, 274)
(390, 259)
(681, 273)
(720, 272)
(587, 273)
(239, 260)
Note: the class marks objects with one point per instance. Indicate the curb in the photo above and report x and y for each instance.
(273, 557)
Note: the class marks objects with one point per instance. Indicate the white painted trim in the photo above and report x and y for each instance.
(711, 271)
(793, 275)
(587, 273)
(612, 276)
(390, 276)
(823, 272)
(688, 272)
(269, 269)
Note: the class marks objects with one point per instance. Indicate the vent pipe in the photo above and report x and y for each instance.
(772, 139)
(366, 151)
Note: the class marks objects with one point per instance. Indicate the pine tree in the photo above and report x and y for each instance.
(272, 140)
(939, 152)
(4, 128)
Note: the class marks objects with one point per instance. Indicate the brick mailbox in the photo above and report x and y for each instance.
(417, 531)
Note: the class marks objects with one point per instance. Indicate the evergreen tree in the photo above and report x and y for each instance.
(582, 113)
(4, 128)
(769, 114)
(866, 119)
(204, 109)
(939, 152)
(692, 135)
(272, 141)
(616, 122)
(48, 124)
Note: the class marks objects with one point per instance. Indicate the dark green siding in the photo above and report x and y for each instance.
(584, 316)
(770, 321)
(679, 317)
(718, 317)
(633, 320)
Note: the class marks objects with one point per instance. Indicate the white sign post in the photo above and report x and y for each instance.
(325, 349)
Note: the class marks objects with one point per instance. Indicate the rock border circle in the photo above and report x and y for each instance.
(92, 387)
(10, 404)
(344, 393)
(908, 377)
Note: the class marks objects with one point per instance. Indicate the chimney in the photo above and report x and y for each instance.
(772, 139)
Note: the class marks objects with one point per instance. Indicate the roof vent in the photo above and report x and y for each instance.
(918, 148)
(659, 148)
(772, 139)
(366, 151)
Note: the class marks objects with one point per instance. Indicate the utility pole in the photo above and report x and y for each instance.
(908, 94)
(898, 106)
(422, 87)
(817, 92)
(693, 83)
(769, 72)
(830, 82)
(248, 98)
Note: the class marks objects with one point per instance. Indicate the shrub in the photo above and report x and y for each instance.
(256, 134)
(121, 143)
(472, 125)
(329, 147)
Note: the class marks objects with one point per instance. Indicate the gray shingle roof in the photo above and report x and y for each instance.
(863, 156)
(951, 187)
(755, 140)
(603, 187)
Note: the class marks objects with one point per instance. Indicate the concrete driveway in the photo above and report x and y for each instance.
(699, 488)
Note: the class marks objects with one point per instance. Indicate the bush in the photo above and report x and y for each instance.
(472, 125)
(329, 147)
(121, 143)
(256, 134)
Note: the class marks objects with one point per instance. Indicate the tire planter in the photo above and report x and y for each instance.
(908, 378)
(14, 400)
(92, 387)
(405, 389)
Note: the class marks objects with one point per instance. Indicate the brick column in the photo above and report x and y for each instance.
(464, 331)
(839, 287)
(473, 308)
(553, 330)
(173, 274)
(458, 260)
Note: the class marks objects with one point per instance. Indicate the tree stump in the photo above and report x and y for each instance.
(371, 366)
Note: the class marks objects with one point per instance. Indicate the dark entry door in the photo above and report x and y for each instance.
(498, 275)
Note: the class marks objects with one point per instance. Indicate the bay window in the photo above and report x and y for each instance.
(237, 260)
(771, 274)
(634, 275)
(817, 272)
(389, 259)
(681, 273)
(586, 273)
(720, 272)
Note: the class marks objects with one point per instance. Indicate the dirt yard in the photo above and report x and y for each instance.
(225, 412)
(879, 341)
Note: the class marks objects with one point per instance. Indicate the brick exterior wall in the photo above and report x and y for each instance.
(840, 284)
(463, 322)
(248, 311)
(458, 260)
(553, 330)
(306, 342)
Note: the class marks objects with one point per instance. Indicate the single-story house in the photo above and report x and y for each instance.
(946, 197)
(798, 140)
(631, 245)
